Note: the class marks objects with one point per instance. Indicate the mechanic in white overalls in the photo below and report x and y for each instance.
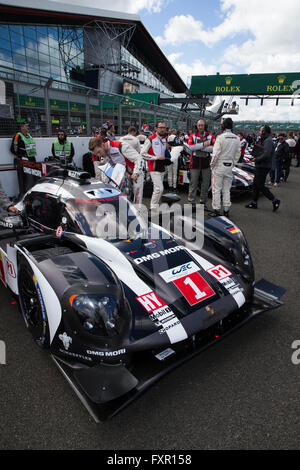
(226, 153)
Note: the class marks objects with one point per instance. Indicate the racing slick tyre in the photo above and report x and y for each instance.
(32, 307)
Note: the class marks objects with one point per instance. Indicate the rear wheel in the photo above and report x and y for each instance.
(32, 305)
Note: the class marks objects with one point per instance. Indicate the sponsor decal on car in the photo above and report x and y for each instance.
(6, 224)
(163, 317)
(44, 168)
(194, 288)
(78, 356)
(151, 302)
(106, 353)
(223, 275)
(32, 171)
(10, 269)
(159, 254)
(179, 271)
(233, 229)
(219, 272)
(66, 340)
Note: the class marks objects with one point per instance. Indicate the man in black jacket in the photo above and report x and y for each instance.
(263, 163)
(282, 153)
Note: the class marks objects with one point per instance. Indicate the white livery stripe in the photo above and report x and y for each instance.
(51, 302)
(125, 272)
(234, 290)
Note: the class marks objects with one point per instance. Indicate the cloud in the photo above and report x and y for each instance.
(262, 19)
(253, 59)
(268, 112)
(197, 67)
(274, 35)
(130, 6)
(186, 71)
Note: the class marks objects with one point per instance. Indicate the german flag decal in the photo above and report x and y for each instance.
(233, 230)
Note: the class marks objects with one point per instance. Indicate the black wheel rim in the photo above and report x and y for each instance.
(30, 300)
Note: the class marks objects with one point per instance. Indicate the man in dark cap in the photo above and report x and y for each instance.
(23, 145)
(24, 148)
(109, 127)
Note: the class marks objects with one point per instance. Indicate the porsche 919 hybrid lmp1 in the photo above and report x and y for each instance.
(116, 313)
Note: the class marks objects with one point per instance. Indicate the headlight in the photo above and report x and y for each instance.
(98, 314)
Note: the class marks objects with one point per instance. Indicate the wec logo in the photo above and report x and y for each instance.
(184, 267)
(2, 353)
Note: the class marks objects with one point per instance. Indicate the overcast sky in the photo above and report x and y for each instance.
(202, 37)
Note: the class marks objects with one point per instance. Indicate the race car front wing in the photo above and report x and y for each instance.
(106, 389)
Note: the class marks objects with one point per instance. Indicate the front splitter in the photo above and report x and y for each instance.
(146, 368)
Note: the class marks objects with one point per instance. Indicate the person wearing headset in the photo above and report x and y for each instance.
(264, 154)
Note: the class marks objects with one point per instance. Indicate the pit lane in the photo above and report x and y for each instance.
(243, 393)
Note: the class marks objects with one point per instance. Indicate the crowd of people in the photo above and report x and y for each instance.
(273, 157)
(212, 158)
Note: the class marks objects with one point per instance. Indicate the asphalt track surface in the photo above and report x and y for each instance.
(242, 393)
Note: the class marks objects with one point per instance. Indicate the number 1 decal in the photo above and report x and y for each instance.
(194, 288)
(198, 294)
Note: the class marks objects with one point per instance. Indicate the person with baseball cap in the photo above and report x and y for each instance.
(23, 146)
(109, 128)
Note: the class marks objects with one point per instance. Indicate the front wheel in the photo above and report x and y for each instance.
(32, 305)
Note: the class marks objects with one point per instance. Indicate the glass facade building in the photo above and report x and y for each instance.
(41, 50)
(75, 67)
(58, 51)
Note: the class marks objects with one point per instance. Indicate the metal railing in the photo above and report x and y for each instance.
(49, 104)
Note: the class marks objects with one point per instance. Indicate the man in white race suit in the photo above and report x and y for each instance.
(226, 153)
(154, 151)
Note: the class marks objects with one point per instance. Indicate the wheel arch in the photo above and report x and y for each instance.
(49, 298)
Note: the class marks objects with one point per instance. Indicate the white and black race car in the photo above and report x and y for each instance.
(119, 308)
(242, 177)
